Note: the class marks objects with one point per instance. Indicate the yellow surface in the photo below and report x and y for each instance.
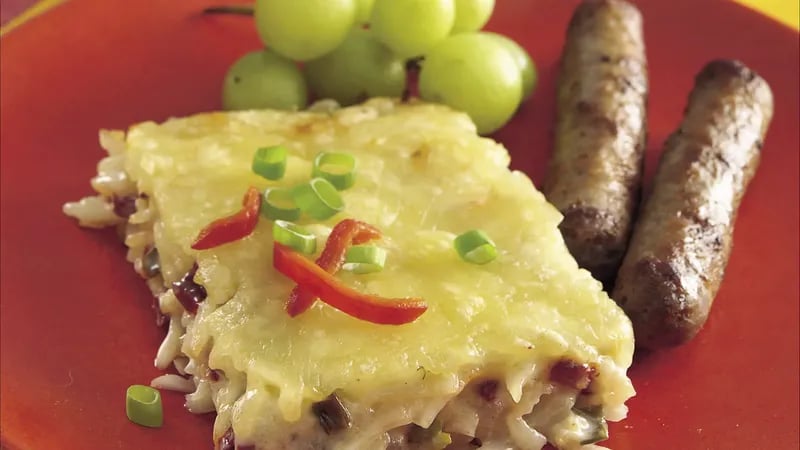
(29, 13)
(549, 306)
(784, 11)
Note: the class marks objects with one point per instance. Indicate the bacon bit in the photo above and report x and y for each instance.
(417, 435)
(234, 227)
(332, 414)
(488, 390)
(227, 441)
(371, 308)
(343, 235)
(124, 206)
(212, 375)
(572, 374)
(475, 442)
(189, 293)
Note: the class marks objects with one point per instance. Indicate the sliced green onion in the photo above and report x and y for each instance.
(475, 247)
(278, 204)
(270, 162)
(364, 259)
(594, 427)
(441, 440)
(318, 198)
(143, 406)
(338, 168)
(293, 236)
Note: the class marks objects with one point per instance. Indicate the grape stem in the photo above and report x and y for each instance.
(414, 64)
(242, 10)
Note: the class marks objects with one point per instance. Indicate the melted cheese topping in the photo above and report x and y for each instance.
(423, 177)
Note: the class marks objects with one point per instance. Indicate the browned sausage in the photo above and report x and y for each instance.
(595, 172)
(683, 238)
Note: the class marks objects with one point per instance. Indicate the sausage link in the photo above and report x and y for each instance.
(594, 175)
(682, 240)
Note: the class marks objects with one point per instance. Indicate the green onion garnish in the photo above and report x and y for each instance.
(364, 259)
(270, 162)
(277, 204)
(318, 198)
(475, 247)
(293, 236)
(595, 428)
(441, 440)
(143, 406)
(338, 168)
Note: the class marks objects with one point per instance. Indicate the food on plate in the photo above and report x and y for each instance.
(264, 79)
(524, 62)
(474, 73)
(360, 68)
(143, 406)
(682, 240)
(364, 11)
(412, 27)
(472, 15)
(595, 171)
(461, 67)
(304, 29)
(437, 305)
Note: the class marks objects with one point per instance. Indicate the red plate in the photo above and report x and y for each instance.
(76, 322)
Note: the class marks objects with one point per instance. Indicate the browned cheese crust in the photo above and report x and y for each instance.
(683, 238)
(595, 172)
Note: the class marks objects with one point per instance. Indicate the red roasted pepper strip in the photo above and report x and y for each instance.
(234, 227)
(330, 290)
(344, 234)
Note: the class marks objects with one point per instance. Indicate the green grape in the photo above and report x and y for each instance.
(359, 68)
(363, 11)
(304, 29)
(412, 27)
(474, 73)
(264, 79)
(472, 15)
(523, 60)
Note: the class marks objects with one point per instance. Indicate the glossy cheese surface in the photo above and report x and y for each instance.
(423, 177)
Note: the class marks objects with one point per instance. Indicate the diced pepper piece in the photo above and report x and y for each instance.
(231, 228)
(368, 307)
(343, 235)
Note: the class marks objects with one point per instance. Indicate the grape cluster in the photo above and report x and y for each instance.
(351, 50)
